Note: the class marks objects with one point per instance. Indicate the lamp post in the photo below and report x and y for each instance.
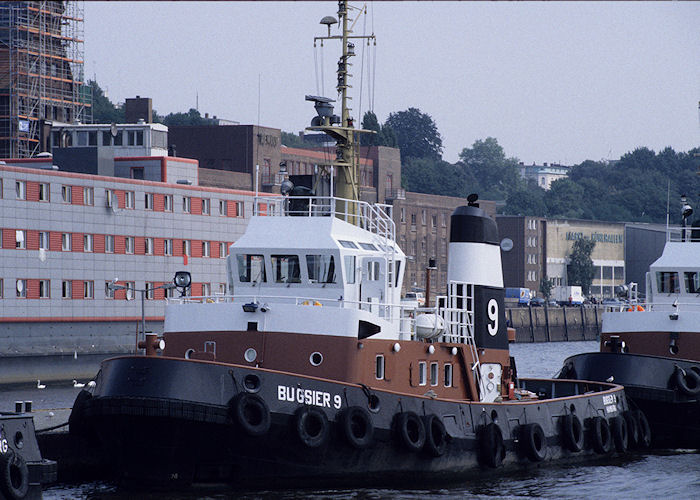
(165, 286)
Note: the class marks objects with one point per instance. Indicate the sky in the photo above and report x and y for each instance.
(556, 82)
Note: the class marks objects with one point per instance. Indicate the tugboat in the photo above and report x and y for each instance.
(312, 372)
(653, 348)
(22, 470)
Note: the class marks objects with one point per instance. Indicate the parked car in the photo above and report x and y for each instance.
(537, 302)
(612, 302)
(552, 303)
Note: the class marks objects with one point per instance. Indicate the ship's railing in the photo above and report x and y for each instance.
(641, 307)
(686, 234)
(375, 218)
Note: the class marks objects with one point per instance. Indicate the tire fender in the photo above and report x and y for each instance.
(572, 433)
(435, 435)
(14, 476)
(251, 413)
(410, 430)
(312, 427)
(533, 441)
(491, 450)
(356, 427)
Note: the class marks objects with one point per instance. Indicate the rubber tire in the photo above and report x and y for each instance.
(311, 426)
(572, 435)
(14, 476)
(410, 431)
(435, 436)
(644, 440)
(251, 413)
(491, 449)
(355, 419)
(76, 420)
(620, 435)
(533, 441)
(599, 431)
(632, 429)
(682, 377)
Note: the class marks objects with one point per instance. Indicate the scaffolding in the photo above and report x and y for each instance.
(41, 72)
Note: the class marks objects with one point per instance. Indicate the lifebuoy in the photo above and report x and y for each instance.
(356, 426)
(251, 413)
(572, 433)
(311, 425)
(410, 430)
(632, 429)
(14, 475)
(688, 381)
(491, 451)
(533, 441)
(644, 437)
(618, 429)
(599, 431)
(435, 435)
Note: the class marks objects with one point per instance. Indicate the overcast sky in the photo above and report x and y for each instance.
(553, 82)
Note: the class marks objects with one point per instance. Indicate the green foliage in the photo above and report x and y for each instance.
(416, 134)
(528, 201)
(546, 287)
(384, 135)
(293, 140)
(580, 270)
(192, 117)
(426, 175)
(496, 175)
(103, 111)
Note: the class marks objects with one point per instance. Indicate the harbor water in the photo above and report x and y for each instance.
(668, 473)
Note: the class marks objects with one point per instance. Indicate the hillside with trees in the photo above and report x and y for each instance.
(634, 188)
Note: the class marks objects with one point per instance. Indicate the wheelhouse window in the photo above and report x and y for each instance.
(433, 374)
(251, 268)
(373, 271)
(347, 244)
(692, 281)
(349, 269)
(667, 281)
(379, 367)
(285, 268)
(321, 268)
(368, 246)
(448, 375)
(422, 372)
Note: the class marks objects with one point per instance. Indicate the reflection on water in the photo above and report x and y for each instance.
(673, 474)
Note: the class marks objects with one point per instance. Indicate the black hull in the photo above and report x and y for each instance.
(651, 383)
(170, 422)
(20, 455)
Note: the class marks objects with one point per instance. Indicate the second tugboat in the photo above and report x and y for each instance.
(313, 373)
(653, 348)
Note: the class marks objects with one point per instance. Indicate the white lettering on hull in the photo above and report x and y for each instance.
(307, 397)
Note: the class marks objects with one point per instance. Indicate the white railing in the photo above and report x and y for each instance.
(376, 218)
(682, 234)
(388, 312)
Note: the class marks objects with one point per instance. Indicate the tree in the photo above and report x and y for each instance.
(192, 117)
(546, 287)
(580, 270)
(103, 110)
(384, 135)
(292, 140)
(526, 202)
(416, 133)
(565, 198)
(497, 175)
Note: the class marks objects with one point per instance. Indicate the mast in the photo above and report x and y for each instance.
(341, 128)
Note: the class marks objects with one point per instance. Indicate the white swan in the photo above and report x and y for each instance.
(92, 383)
(78, 384)
(39, 385)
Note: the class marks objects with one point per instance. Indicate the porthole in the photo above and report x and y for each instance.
(373, 403)
(251, 383)
(189, 353)
(316, 358)
(19, 440)
(250, 355)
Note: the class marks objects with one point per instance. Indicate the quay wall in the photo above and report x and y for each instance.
(555, 324)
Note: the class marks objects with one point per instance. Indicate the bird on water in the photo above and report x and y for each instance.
(39, 385)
